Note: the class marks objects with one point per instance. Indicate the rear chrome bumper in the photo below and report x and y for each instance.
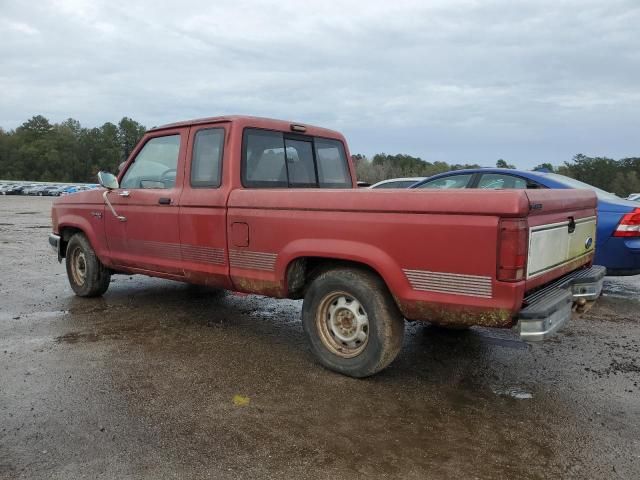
(549, 309)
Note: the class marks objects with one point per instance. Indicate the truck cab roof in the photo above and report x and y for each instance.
(257, 122)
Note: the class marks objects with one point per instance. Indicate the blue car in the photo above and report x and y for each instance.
(76, 189)
(618, 236)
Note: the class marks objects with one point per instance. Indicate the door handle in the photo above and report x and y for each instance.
(124, 193)
(164, 201)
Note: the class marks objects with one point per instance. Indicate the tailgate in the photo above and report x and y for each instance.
(562, 230)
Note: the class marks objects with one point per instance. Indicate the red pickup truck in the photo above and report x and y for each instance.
(271, 207)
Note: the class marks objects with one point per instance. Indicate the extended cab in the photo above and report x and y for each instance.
(270, 207)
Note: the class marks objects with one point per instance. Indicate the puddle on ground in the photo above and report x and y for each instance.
(75, 337)
(263, 313)
(32, 315)
(626, 287)
(513, 392)
(503, 341)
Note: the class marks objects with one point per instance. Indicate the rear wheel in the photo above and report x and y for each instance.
(352, 322)
(88, 277)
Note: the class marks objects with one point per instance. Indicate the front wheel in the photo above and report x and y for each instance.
(352, 322)
(88, 277)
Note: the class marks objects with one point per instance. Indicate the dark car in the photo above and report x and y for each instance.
(31, 189)
(13, 190)
(49, 191)
(57, 191)
(618, 236)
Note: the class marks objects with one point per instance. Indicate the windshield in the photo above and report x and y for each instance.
(573, 183)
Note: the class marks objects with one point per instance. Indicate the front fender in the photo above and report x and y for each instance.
(95, 234)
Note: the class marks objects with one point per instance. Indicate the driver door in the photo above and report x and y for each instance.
(148, 198)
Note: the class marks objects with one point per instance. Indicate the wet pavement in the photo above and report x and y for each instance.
(161, 380)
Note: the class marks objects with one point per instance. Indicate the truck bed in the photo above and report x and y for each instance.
(436, 250)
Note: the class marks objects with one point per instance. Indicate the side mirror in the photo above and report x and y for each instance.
(108, 180)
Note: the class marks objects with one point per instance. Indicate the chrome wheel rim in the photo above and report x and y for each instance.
(78, 266)
(343, 324)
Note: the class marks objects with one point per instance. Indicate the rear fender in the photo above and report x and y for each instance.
(346, 250)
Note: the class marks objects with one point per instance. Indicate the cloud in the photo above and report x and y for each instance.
(462, 81)
(21, 28)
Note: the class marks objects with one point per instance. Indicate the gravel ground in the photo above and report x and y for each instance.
(161, 380)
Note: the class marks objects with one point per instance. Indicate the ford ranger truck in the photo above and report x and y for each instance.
(271, 207)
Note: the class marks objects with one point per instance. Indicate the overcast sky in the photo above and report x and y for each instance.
(458, 81)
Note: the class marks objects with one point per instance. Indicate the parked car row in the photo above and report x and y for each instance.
(618, 234)
(42, 190)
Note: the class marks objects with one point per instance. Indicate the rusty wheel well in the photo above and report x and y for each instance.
(65, 235)
(303, 270)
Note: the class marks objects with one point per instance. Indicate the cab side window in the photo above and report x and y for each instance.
(300, 165)
(206, 162)
(499, 181)
(263, 160)
(333, 171)
(278, 160)
(155, 166)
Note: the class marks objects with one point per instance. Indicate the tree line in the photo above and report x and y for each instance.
(39, 150)
(65, 152)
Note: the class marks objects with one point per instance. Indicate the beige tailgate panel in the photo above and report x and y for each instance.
(551, 246)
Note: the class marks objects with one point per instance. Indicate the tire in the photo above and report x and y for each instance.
(352, 322)
(88, 277)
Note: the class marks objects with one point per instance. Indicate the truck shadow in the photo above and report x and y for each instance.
(148, 311)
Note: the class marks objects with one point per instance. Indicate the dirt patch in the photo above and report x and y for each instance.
(75, 337)
(616, 367)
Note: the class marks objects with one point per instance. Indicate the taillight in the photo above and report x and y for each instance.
(629, 226)
(512, 249)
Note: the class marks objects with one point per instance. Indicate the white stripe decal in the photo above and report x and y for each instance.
(452, 283)
(175, 251)
(199, 254)
(155, 249)
(252, 260)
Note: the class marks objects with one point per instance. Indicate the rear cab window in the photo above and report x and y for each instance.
(272, 159)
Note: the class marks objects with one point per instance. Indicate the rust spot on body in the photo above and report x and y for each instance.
(455, 315)
(268, 288)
